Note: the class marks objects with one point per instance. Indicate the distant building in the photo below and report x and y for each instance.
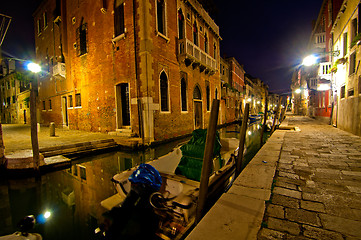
(149, 70)
(14, 93)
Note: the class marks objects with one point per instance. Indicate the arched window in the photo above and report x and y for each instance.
(195, 33)
(180, 24)
(216, 94)
(161, 16)
(208, 98)
(164, 103)
(205, 43)
(184, 94)
(118, 17)
(197, 93)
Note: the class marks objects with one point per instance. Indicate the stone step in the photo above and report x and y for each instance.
(79, 148)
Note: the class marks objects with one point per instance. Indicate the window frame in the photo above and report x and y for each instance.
(119, 19)
(82, 39)
(163, 14)
(161, 97)
(184, 95)
(77, 96)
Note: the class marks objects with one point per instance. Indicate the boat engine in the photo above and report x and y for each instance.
(135, 218)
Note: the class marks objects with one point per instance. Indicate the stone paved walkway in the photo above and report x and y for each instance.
(317, 187)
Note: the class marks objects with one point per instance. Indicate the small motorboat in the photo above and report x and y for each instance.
(25, 226)
(175, 201)
(253, 118)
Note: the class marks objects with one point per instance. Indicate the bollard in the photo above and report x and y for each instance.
(52, 129)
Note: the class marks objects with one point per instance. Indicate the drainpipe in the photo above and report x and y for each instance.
(139, 101)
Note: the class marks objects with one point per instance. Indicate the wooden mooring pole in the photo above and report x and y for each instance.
(207, 159)
(242, 141)
(276, 117)
(264, 120)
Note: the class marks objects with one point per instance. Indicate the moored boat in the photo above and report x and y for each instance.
(175, 202)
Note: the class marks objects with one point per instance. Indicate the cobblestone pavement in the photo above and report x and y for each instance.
(317, 187)
(17, 137)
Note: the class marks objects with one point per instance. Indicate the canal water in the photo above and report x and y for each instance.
(73, 195)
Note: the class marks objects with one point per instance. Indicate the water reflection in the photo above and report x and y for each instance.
(73, 195)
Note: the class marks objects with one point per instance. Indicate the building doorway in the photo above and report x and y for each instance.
(198, 110)
(64, 106)
(123, 108)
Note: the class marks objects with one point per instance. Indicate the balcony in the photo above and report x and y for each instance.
(192, 54)
(59, 70)
(323, 70)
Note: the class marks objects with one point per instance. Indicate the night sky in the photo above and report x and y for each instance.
(268, 37)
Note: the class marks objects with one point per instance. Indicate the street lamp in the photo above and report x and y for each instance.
(310, 60)
(35, 68)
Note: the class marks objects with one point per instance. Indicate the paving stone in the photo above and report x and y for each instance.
(303, 216)
(287, 192)
(321, 234)
(342, 225)
(289, 175)
(268, 234)
(284, 226)
(285, 201)
(283, 184)
(276, 211)
(313, 206)
(295, 237)
(343, 211)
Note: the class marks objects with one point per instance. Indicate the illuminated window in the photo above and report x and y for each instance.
(81, 39)
(118, 17)
(77, 100)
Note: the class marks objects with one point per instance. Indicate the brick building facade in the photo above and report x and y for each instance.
(148, 68)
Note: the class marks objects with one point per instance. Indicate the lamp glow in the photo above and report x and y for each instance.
(298, 90)
(33, 67)
(47, 214)
(309, 60)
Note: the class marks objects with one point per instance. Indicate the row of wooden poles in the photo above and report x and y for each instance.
(208, 151)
